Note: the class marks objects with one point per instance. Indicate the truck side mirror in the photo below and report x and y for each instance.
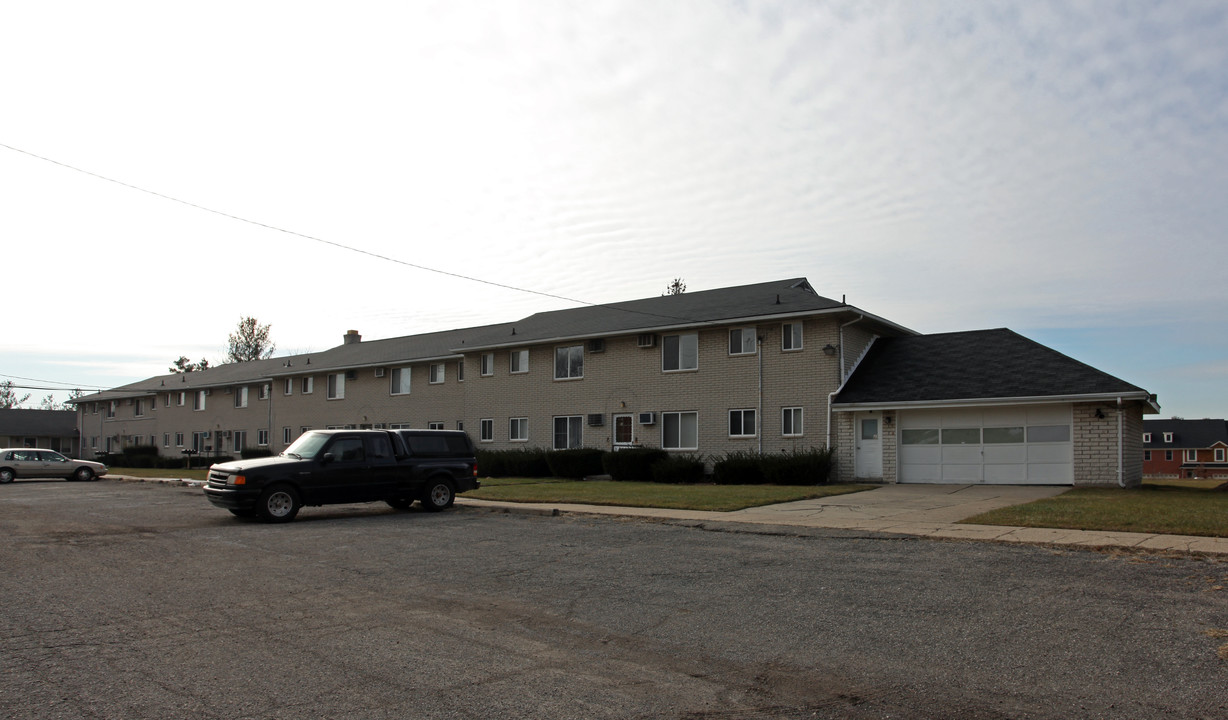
(327, 458)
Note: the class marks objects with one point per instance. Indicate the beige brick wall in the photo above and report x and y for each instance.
(1096, 443)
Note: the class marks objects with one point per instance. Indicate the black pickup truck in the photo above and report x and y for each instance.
(328, 467)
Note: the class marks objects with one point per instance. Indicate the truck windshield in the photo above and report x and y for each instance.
(307, 445)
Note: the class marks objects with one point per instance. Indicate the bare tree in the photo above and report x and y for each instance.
(677, 287)
(8, 398)
(250, 341)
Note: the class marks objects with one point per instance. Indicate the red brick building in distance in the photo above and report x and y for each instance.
(1177, 448)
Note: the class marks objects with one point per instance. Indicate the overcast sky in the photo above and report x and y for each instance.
(1059, 169)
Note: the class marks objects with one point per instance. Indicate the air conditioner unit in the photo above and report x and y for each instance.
(206, 434)
(379, 372)
(351, 374)
(597, 345)
(208, 392)
(596, 420)
(648, 418)
(646, 340)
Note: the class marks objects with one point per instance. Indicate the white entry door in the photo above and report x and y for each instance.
(868, 439)
(624, 431)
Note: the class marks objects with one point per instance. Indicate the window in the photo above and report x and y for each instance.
(519, 361)
(140, 408)
(287, 386)
(1147, 456)
(961, 436)
(460, 371)
(1168, 455)
(336, 386)
(399, 381)
(286, 435)
(1168, 437)
(240, 440)
(1003, 435)
(166, 439)
(309, 384)
(241, 397)
(111, 409)
(167, 400)
(569, 362)
(680, 352)
(742, 341)
(434, 426)
(183, 399)
(488, 430)
(262, 438)
(741, 423)
(567, 432)
(263, 392)
(518, 429)
(178, 440)
(1191, 456)
(487, 364)
(680, 431)
(460, 425)
(198, 400)
(919, 437)
(304, 429)
(1219, 454)
(437, 373)
(791, 336)
(1146, 437)
(791, 422)
(1048, 433)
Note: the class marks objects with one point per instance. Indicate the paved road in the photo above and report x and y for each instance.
(142, 601)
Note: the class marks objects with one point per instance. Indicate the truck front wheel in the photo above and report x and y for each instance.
(278, 504)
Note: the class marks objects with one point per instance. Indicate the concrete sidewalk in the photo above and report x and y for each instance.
(931, 511)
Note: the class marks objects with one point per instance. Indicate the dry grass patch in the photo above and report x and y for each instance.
(1167, 507)
(720, 498)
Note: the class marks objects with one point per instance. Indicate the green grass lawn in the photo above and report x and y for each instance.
(1172, 507)
(722, 498)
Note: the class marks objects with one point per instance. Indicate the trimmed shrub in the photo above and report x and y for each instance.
(256, 452)
(799, 467)
(577, 463)
(739, 468)
(632, 464)
(525, 462)
(679, 469)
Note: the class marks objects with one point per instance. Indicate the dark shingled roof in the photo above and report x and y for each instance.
(1187, 434)
(979, 364)
(38, 423)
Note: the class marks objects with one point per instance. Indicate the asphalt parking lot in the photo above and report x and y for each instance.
(143, 601)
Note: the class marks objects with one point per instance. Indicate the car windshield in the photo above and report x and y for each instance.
(307, 445)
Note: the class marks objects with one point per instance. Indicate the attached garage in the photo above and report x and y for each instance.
(1022, 445)
(987, 406)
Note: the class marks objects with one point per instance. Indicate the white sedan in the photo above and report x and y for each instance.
(39, 463)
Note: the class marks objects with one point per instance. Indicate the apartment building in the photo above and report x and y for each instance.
(764, 368)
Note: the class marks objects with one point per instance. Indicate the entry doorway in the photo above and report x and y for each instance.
(868, 441)
(624, 431)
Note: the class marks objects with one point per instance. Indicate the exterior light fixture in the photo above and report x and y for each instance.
(829, 350)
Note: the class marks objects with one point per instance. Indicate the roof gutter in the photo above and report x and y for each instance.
(980, 402)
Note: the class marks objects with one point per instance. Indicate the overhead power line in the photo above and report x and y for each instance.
(330, 242)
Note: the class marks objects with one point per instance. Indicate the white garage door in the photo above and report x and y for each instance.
(1009, 446)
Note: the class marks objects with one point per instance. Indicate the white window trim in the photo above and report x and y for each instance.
(309, 385)
(241, 397)
(569, 419)
(1168, 437)
(262, 442)
(511, 362)
(483, 425)
(680, 337)
(1219, 454)
(524, 425)
(336, 389)
(288, 387)
(438, 374)
(568, 376)
(742, 412)
(486, 365)
(1191, 455)
(400, 373)
(799, 427)
(435, 425)
(679, 414)
(743, 332)
(786, 336)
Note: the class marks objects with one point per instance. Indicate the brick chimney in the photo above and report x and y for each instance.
(351, 337)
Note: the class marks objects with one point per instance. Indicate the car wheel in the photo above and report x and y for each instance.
(438, 495)
(7, 475)
(279, 504)
(83, 474)
(399, 503)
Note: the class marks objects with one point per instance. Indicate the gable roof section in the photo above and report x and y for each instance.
(973, 367)
(780, 298)
(37, 423)
(1187, 434)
